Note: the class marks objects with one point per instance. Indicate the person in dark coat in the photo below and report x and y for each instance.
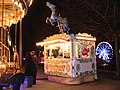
(33, 54)
(30, 69)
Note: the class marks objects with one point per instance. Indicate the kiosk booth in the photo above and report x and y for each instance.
(70, 59)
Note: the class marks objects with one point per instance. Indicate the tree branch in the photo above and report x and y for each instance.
(98, 13)
(106, 8)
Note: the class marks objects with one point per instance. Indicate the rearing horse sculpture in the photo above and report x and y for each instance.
(56, 20)
(54, 16)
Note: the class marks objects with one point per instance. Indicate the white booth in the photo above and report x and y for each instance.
(70, 59)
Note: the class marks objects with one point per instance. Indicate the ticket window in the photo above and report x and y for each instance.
(58, 51)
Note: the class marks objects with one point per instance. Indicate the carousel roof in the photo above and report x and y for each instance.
(12, 10)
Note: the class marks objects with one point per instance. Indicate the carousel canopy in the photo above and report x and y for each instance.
(12, 10)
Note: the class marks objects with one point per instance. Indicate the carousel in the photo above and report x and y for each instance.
(70, 59)
(11, 12)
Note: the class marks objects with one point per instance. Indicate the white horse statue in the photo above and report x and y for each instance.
(56, 20)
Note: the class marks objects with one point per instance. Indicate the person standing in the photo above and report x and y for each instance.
(30, 69)
(33, 54)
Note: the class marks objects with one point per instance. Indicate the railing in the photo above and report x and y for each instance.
(4, 54)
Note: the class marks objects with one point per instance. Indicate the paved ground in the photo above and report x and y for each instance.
(103, 83)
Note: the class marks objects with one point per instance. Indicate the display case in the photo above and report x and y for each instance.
(70, 59)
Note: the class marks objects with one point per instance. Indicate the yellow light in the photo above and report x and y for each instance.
(53, 46)
(23, 12)
(20, 5)
(16, 3)
(49, 42)
(13, 0)
(30, 2)
(85, 38)
(2, 66)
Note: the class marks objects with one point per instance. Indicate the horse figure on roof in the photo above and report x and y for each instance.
(62, 24)
(56, 20)
(54, 16)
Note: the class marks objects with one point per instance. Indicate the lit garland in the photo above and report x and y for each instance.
(13, 11)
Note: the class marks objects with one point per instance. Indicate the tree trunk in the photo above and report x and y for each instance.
(117, 59)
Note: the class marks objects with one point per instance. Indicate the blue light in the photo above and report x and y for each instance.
(104, 51)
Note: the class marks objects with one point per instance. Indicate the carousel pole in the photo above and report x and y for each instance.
(1, 53)
(20, 42)
(16, 56)
(16, 32)
(4, 33)
(2, 30)
(9, 42)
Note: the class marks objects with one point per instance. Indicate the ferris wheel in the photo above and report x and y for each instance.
(104, 51)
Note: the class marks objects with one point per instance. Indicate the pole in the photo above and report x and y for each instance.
(20, 42)
(1, 54)
(11, 41)
(16, 32)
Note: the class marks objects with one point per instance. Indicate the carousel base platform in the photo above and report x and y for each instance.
(68, 80)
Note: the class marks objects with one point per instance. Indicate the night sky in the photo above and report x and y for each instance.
(94, 17)
(35, 28)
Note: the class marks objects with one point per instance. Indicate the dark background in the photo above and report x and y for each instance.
(100, 18)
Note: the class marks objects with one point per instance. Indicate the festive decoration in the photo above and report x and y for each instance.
(104, 51)
(11, 11)
(11, 8)
(56, 20)
(70, 56)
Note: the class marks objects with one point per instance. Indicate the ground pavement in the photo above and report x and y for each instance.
(103, 83)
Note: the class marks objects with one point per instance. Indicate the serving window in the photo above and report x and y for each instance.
(59, 51)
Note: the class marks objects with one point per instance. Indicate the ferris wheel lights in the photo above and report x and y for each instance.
(104, 51)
